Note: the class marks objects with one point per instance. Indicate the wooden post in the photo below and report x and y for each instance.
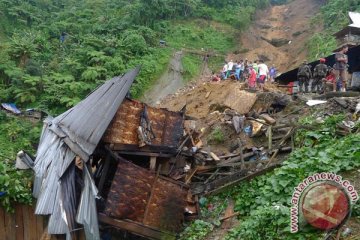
(104, 173)
(270, 137)
(152, 163)
(151, 194)
(241, 154)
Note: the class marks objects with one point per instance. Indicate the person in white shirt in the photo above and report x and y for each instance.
(263, 73)
(230, 67)
(225, 70)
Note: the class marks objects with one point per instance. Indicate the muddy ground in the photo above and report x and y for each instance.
(279, 34)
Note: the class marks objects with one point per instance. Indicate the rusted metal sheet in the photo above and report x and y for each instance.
(167, 127)
(139, 195)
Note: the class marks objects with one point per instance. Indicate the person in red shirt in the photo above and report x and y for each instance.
(252, 77)
(330, 81)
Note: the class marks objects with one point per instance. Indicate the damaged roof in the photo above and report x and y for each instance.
(167, 127)
(354, 27)
(139, 195)
(75, 132)
(83, 125)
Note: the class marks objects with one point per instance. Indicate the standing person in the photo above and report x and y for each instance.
(252, 77)
(255, 66)
(304, 75)
(230, 67)
(241, 65)
(341, 66)
(224, 71)
(272, 73)
(263, 73)
(237, 71)
(320, 72)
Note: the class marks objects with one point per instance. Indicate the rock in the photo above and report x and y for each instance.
(239, 100)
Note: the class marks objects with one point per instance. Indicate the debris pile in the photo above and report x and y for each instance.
(142, 169)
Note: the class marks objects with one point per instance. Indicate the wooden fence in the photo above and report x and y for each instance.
(23, 224)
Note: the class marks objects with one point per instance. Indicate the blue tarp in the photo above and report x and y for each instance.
(11, 107)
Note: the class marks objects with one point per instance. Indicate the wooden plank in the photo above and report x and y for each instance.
(207, 94)
(236, 159)
(248, 177)
(2, 223)
(10, 226)
(213, 155)
(228, 214)
(152, 163)
(188, 177)
(39, 225)
(19, 222)
(26, 221)
(136, 228)
(283, 140)
(268, 119)
(147, 148)
(270, 137)
(32, 220)
(149, 154)
(241, 154)
(104, 173)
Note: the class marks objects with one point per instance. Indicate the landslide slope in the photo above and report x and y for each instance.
(279, 34)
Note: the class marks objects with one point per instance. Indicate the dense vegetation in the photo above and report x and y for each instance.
(53, 53)
(16, 134)
(334, 16)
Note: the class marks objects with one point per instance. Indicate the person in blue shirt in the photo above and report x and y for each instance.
(237, 71)
(272, 73)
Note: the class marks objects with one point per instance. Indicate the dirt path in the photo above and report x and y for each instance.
(280, 33)
(168, 83)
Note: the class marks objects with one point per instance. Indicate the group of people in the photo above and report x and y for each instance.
(324, 78)
(253, 73)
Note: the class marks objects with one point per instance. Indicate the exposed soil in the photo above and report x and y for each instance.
(168, 83)
(280, 33)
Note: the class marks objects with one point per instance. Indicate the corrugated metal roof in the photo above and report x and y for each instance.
(355, 18)
(167, 127)
(75, 132)
(83, 125)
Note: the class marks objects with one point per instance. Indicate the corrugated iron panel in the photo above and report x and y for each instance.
(139, 195)
(83, 126)
(166, 206)
(166, 125)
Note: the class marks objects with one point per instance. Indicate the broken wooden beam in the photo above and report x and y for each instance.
(241, 154)
(214, 156)
(230, 216)
(236, 181)
(283, 140)
(237, 158)
(268, 119)
(188, 178)
(207, 94)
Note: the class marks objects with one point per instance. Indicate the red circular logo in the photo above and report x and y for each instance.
(325, 206)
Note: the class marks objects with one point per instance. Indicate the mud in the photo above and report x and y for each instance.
(279, 34)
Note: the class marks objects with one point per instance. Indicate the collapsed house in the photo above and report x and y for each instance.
(103, 157)
(354, 66)
(350, 35)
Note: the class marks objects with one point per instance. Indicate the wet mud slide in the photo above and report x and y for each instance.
(168, 83)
